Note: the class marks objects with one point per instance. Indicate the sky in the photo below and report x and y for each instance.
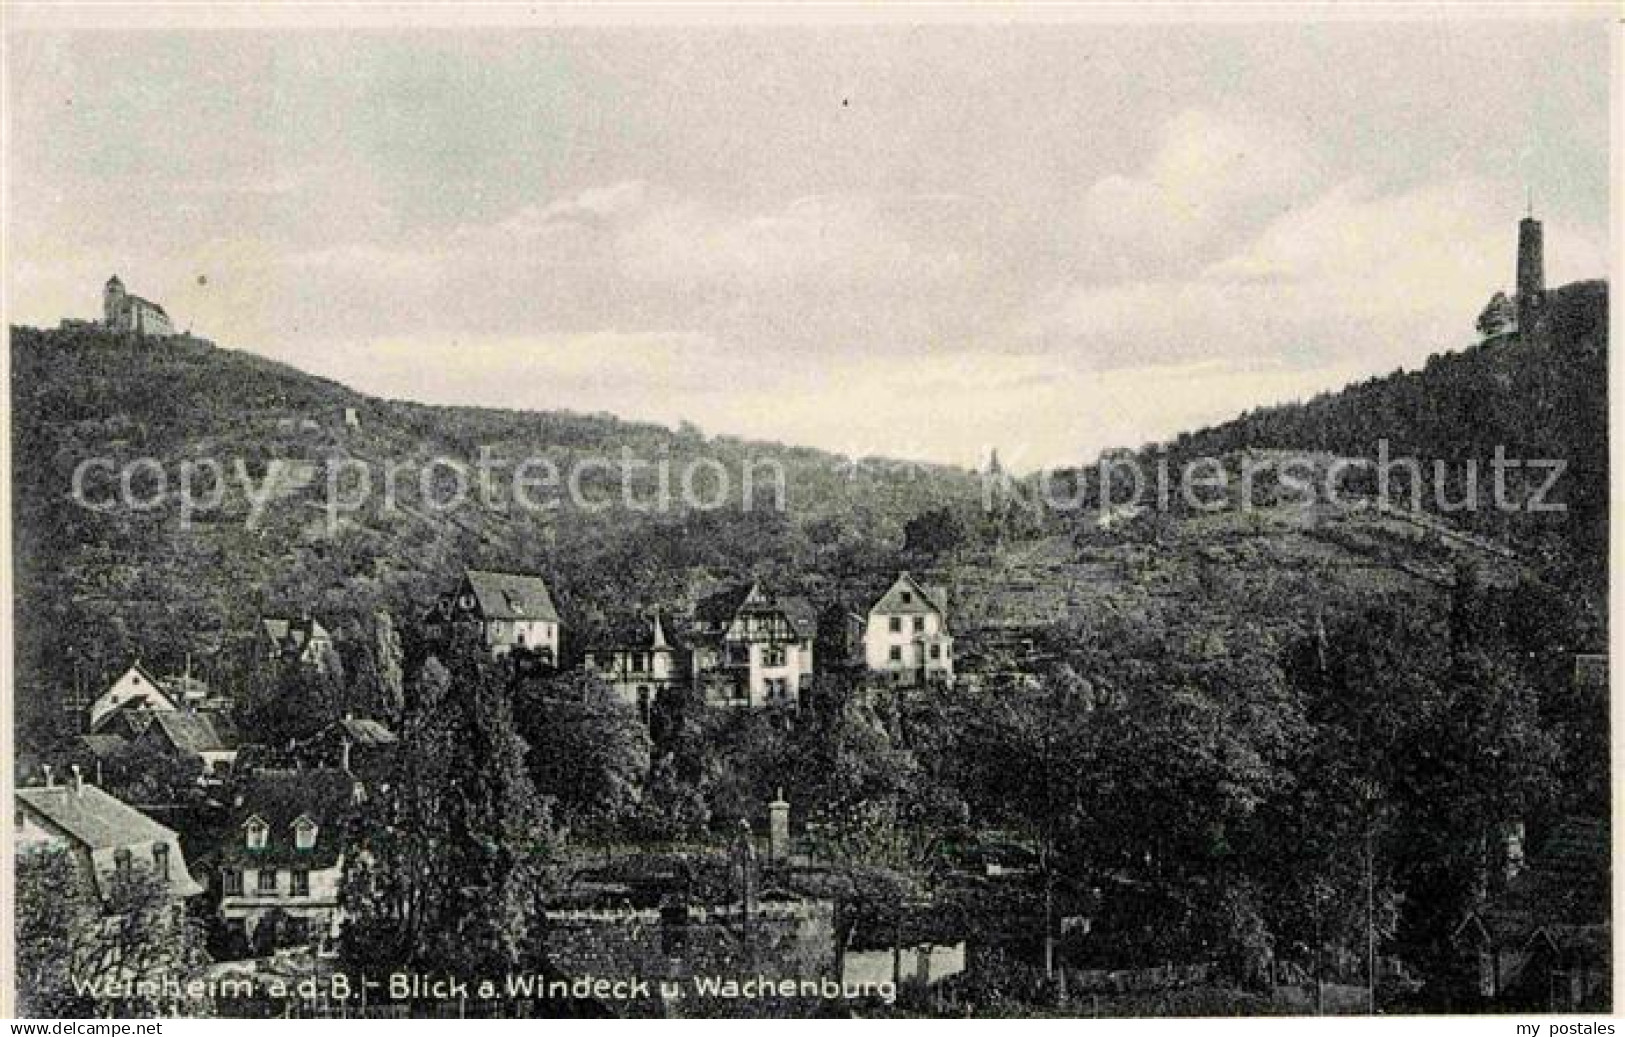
(918, 242)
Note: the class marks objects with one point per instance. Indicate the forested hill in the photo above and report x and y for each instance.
(97, 588)
(1539, 395)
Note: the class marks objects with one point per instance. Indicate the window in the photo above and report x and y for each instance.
(643, 703)
(299, 882)
(121, 861)
(304, 833)
(936, 651)
(638, 662)
(160, 860)
(895, 624)
(895, 653)
(919, 624)
(908, 597)
(267, 883)
(774, 657)
(254, 833)
(231, 882)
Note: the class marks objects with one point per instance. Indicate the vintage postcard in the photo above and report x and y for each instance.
(842, 512)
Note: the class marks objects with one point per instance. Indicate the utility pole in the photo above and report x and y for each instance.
(1370, 925)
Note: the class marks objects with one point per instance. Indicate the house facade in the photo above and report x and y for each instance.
(751, 649)
(906, 637)
(301, 641)
(639, 661)
(283, 850)
(510, 610)
(135, 691)
(107, 836)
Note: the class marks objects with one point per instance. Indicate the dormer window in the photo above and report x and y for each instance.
(160, 859)
(304, 833)
(255, 831)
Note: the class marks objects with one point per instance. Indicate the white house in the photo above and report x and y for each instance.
(639, 661)
(752, 649)
(905, 634)
(283, 850)
(137, 691)
(511, 610)
(107, 836)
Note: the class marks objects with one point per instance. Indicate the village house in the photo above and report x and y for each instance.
(108, 837)
(905, 634)
(360, 747)
(302, 641)
(1541, 943)
(183, 733)
(640, 660)
(283, 851)
(509, 610)
(129, 702)
(750, 649)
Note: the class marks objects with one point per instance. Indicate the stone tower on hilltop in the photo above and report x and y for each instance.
(1531, 270)
(113, 301)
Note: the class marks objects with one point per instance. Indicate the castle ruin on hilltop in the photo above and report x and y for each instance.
(127, 313)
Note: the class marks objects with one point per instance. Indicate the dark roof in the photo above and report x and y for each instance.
(191, 732)
(281, 797)
(100, 821)
(93, 817)
(724, 605)
(638, 633)
(292, 635)
(1567, 882)
(103, 747)
(920, 598)
(721, 608)
(512, 596)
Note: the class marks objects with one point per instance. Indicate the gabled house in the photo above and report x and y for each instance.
(130, 700)
(905, 634)
(752, 649)
(508, 610)
(184, 733)
(639, 660)
(360, 747)
(107, 836)
(1542, 943)
(283, 850)
(302, 641)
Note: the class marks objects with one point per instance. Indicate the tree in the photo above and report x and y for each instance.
(379, 689)
(1498, 317)
(71, 945)
(589, 751)
(935, 532)
(450, 858)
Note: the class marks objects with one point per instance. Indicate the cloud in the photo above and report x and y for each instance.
(1355, 273)
(1208, 168)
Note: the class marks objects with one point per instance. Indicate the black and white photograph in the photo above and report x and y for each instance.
(838, 512)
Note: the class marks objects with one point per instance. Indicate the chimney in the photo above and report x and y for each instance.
(78, 780)
(778, 828)
(49, 782)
